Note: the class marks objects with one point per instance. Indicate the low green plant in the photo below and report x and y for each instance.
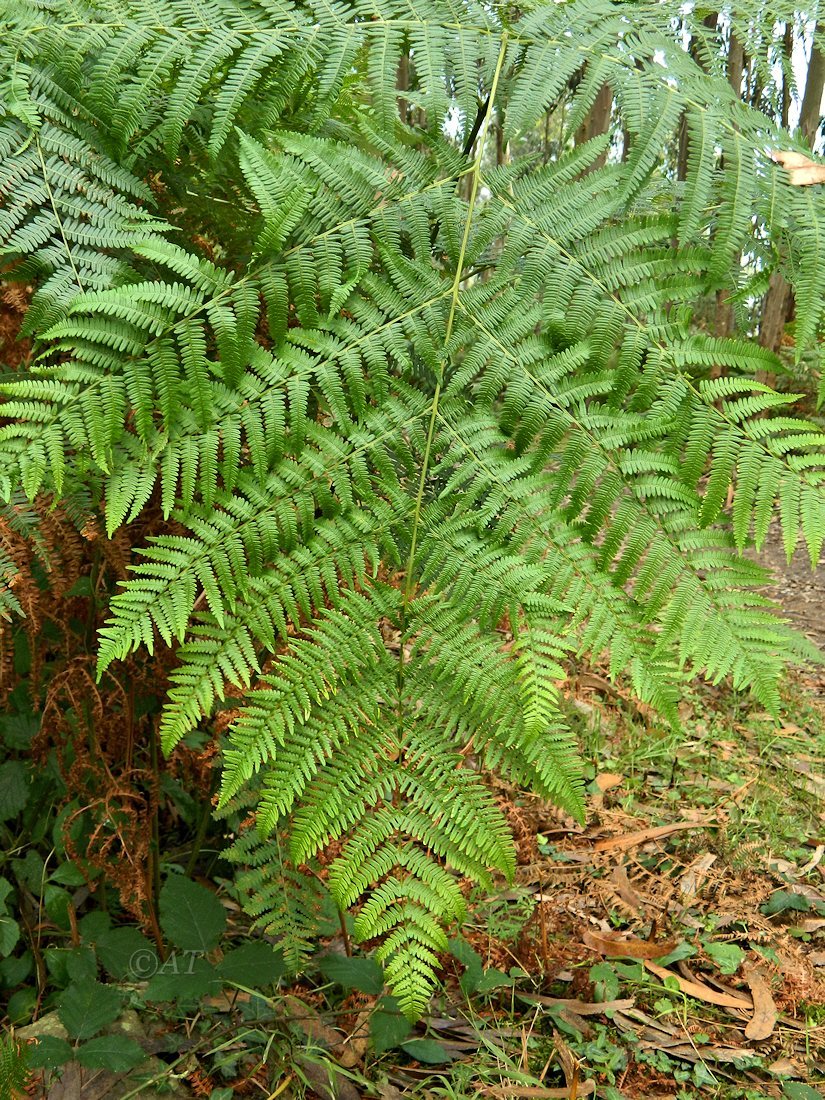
(178, 979)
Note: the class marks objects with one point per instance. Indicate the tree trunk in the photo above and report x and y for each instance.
(810, 119)
(787, 48)
(502, 147)
(597, 122)
(774, 313)
(736, 64)
(710, 22)
(403, 84)
(735, 70)
(778, 304)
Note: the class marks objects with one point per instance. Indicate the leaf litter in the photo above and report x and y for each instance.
(679, 891)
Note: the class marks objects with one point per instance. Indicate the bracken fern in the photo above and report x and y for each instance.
(423, 424)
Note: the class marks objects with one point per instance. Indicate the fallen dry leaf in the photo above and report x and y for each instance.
(585, 1088)
(700, 991)
(802, 171)
(578, 1023)
(691, 881)
(763, 1021)
(814, 861)
(310, 1022)
(569, 1063)
(581, 1008)
(624, 889)
(813, 782)
(606, 781)
(787, 1067)
(354, 1047)
(658, 832)
(615, 947)
(327, 1082)
(688, 1053)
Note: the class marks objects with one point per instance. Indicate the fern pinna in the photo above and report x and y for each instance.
(427, 420)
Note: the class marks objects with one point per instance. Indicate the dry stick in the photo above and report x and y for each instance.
(545, 957)
(153, 870)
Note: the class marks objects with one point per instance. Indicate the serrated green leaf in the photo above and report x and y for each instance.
(782, 901)
(472, 977)
(127, 955)
(389, 1027)
(605, 982)
(798, 1090)
(191, 915)
(81, 964)
(49, 1052)
(358, 973)
(727, 956)
(683, 950)
(87, 1007)
(493, 979)
(184, 979)
(9, 935)
(427, 1051)
(253, 965)
(115, 1053)
(68, 874)
(16, 969)
(14, 788)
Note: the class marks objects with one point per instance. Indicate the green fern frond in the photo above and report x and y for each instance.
(422, 425)
(289, 905)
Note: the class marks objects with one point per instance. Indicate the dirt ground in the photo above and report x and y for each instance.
(799, 589)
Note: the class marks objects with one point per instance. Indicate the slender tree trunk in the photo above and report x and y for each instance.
(778, 304)
(735, 71)
(774, 314)
(682, 154)
(694, 51)
(736, 64)
(810, 118)
(597, 122)
(787, 47)
(403, 84)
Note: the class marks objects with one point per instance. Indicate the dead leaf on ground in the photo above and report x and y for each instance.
(625, 890)
(765, 1015)
(642, 836)
(327, 1082)
(787, 1067)
(578, 1023)
(354, 1047)
(567, 1060)
(606, 781)
(688, 1053)
(700, 991)
(616, 947)
(813, 782)
(814, 861)
(692, 880)
(310, 1022)
(75, 1083)
(529, 1092)
(581, 1008)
